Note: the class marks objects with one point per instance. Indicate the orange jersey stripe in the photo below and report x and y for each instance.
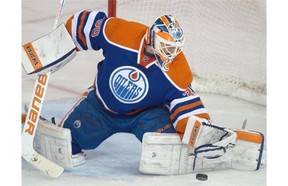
(80, 28)
(69, 25)
(185, 107)
(69, 28)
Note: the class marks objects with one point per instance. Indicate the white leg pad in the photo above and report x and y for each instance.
(165, 154)
(54, 143)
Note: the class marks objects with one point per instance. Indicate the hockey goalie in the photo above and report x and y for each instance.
(143, 86)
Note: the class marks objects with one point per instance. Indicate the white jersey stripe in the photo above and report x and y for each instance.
(188, 114)
(88, 26)
(181, 100)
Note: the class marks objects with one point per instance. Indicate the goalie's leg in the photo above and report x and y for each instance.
(165, 154)
(54, 143)
(85, 127)
(88, 123)
(152, 120)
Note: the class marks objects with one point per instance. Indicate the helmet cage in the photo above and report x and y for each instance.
(166, 39)
(167, 49)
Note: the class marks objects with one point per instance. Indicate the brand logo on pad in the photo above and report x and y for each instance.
(128, 84)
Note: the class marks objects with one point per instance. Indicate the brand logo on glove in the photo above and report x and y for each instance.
(128, 84)
(33, 57)
(194, 134)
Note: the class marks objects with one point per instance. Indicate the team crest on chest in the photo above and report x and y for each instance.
(128, 84)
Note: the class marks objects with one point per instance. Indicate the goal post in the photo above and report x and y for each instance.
(111, 8)
(225, 41)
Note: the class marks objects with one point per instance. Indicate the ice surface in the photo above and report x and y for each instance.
(116, 161)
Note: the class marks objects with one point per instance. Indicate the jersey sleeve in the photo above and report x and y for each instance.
(182, 108)
(85, 28)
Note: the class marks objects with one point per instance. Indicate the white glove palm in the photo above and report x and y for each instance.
(207, 140)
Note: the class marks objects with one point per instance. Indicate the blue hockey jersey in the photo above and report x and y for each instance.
(129, 80)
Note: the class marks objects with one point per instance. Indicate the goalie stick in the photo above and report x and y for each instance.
(31, 122)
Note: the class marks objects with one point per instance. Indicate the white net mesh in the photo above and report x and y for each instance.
(225, 41)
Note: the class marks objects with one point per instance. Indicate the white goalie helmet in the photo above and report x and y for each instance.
(166, 38)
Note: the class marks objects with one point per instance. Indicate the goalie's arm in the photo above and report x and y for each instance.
(86, 29)
(191, 121)
(82, 31)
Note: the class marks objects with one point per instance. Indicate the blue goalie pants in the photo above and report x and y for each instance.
(90, 124)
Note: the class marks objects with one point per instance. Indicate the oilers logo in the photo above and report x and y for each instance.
(128, 84)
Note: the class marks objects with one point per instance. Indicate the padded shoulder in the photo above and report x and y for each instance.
(180, 72)
(125, 33)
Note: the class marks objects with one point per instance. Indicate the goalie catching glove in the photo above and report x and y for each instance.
(48, 53)
(207, 140)
(165, 154)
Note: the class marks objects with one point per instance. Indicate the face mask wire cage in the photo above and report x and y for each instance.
(166, 38)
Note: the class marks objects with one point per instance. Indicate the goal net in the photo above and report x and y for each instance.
(225, 41)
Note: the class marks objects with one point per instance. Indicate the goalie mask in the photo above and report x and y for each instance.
(166, 39)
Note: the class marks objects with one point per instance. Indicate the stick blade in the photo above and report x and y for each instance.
(46, 166)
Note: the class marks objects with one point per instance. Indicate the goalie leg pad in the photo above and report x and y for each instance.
(165, 154)
(249, 153)
(54, 143)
